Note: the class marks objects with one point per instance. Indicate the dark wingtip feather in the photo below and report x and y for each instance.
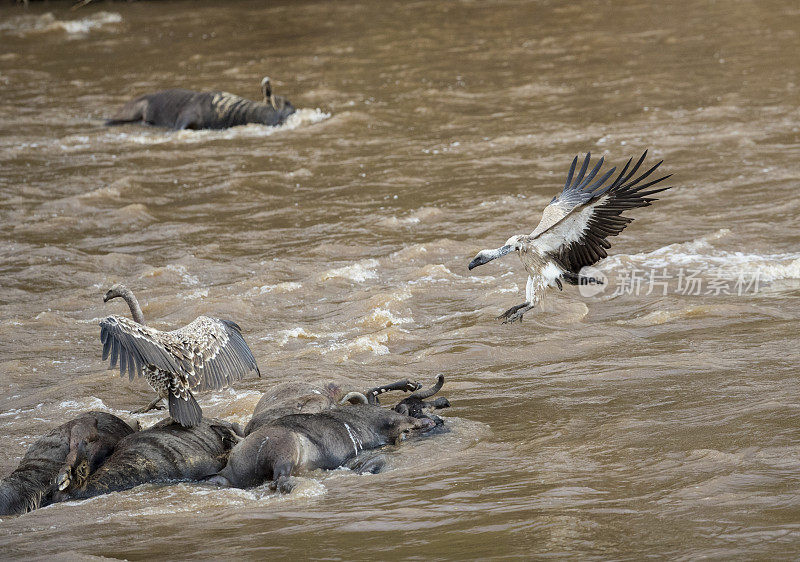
(639, 188)
(592, 174)
(634, 169)
(583, 169)
(600, 182)
(570, 174)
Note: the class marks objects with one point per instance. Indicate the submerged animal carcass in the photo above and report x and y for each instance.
(186, 109)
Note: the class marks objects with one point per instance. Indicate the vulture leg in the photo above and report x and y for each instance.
(154, 405)
(515, 313)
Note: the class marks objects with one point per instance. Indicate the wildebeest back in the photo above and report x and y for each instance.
(292, 398)
(163, 453)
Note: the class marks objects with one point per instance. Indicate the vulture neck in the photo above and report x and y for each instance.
(133, 304)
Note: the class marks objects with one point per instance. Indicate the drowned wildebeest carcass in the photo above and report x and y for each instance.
(165, 452)
(179, 108)
(53, 459)
(297, 443)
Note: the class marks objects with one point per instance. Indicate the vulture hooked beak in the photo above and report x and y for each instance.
(485, 256)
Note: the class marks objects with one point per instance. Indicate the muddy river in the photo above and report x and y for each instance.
(657, 417)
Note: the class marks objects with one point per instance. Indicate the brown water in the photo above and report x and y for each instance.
(609, 427)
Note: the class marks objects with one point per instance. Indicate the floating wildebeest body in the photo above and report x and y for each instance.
(303, 442)
(186, 109)
(165, 452)
(95, 434)
(306, 398)
(326, 440)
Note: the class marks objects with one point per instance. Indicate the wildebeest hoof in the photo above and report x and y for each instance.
(237, 429)
(428, 423)
(283, 485)
(411, 386)
(219, 480)
(63, 481)
(367, 464)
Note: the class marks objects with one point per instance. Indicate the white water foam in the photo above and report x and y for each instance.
(163, 499)
(415, 217)
(283, 336)
(180, 270)
(27, 24)
(700, 254)
(285, 287)
(155, 135)
(374, 343)
(358, 272)
(194, 295)
(384, 318)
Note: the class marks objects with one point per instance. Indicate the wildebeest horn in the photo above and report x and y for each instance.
(354, 398)
(266, 89)
(422, 394)
(405, 385)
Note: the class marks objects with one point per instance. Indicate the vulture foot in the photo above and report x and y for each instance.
(154, 405)
(515, 313)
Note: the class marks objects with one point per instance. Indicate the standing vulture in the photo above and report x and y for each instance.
(207, 353)
(574, 229)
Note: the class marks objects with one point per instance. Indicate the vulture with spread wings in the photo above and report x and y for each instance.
(207, 353)
(575, 228)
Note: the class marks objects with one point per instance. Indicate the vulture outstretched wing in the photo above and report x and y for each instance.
(211, 353)
(575, 226)
(221, 355)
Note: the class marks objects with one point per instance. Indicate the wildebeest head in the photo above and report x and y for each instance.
(398, 430)
(416, 406)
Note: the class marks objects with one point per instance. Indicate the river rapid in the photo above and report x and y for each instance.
(658, 417)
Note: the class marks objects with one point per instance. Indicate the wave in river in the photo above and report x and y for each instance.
(47, 23)
(700, 254)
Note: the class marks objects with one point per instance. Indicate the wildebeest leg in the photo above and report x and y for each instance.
(364, 464)
(282, 478)
(154, 405)
(405, 385)
(75, 471)
(189, 118)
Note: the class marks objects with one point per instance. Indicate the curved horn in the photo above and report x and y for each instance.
(431, 391)
(405, 385)
(266, 89)
(354, 398)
